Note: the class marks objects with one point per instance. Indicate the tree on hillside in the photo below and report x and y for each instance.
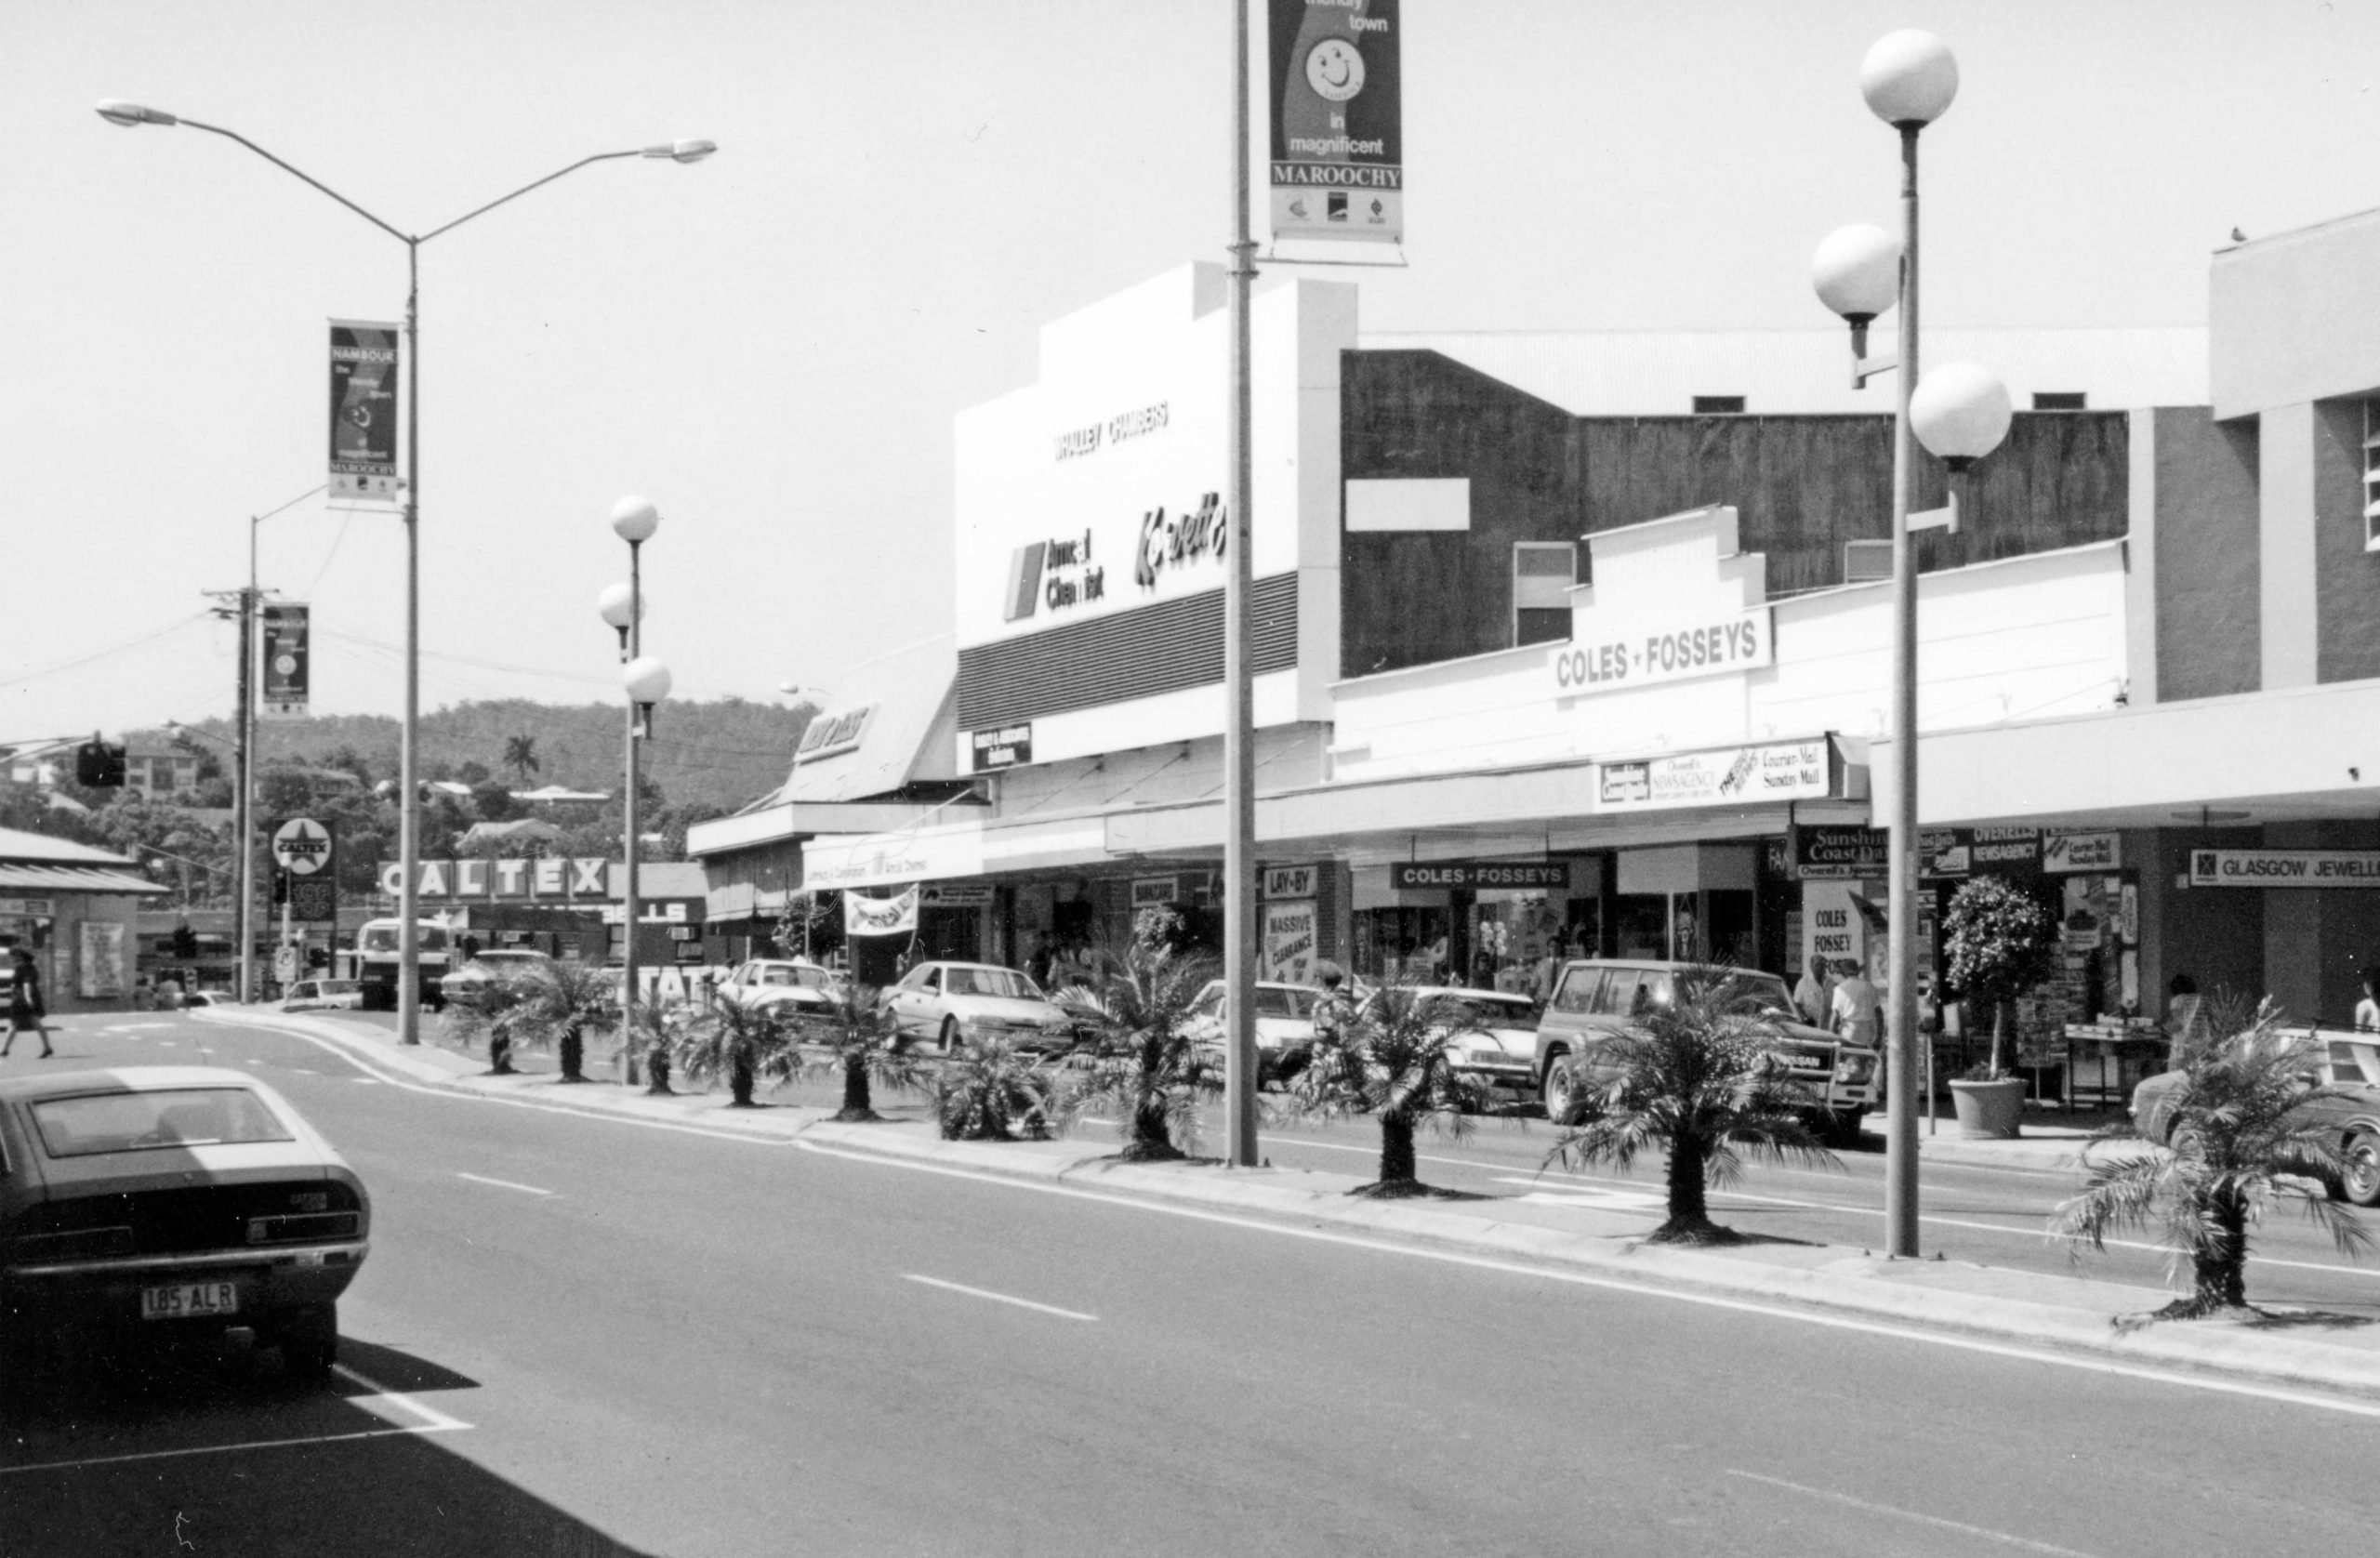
(520, 755)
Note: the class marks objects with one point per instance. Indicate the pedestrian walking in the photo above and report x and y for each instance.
(2367, 1010)
(1855, 1011)
(27, 1011)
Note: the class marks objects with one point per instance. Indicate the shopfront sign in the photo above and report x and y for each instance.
(28, 907)
(1152, 891)
(2082, 851)
(364, 410)
(1826, 852)
(552, 878)
(830, 735)
(656, 911)
(2285, 868)
(1286, 942)
(846, 859)
(943, 895)
(103, 975)
(1425, 875)
(880, 916)
(2005, 850)
(1649, 652)
(1287, 882)
(1334, 92)
(1731, 775)
(1058, 573)
(1005, 747)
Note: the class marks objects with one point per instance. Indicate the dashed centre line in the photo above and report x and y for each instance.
(999, 1298)
(503, 1185)
(2025, 1544)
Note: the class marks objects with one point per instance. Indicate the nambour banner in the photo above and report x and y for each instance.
(880, 916)
(287, 660)
(364, 410)
(1337, 153)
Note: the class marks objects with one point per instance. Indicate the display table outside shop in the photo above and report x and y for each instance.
(2106, 1059)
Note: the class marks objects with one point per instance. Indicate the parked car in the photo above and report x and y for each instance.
(950, 1002)
(2340, 1058)
(471, 981)
(207, 998)
(324, 995)
(1494, 1033)
(1596, 998)
(1284, 1027)
(795, 987)
(154, 1201)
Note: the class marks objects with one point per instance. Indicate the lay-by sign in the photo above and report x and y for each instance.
(551, 878)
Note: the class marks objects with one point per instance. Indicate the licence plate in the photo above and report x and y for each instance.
(185, 1300)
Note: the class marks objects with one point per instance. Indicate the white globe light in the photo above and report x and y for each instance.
(1857, 270)
(618, 600)
(635, 519)
(1960, 412)
(646, 679)
(1908, 77)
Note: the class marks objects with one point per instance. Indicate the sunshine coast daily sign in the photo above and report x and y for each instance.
(1336, 98)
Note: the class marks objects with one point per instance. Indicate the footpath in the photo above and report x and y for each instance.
(2293, 1348)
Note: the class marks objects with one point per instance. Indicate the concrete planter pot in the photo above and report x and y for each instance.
(1989, 1110)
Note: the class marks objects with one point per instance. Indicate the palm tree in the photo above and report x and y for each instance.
(489, 1013)
(862, 1049)
(1144, 1060)
(520, 755)
(1699, 1079)
(742, 1043)
(1395, 1059)
(987, 1090)
(2239, 1138)
(560, 1001)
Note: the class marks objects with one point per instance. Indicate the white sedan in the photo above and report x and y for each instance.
(1492, 1034)
(953, 1001)
(1284, 1027)
(324, 995)
(792, 987)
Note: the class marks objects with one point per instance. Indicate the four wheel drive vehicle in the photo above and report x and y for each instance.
(156, 1201)
(949, 1002)
(324, 995)
(2338, 1058)
(469, 982)
(1596, 998)
(1493, 1033)
(793, 987)
(1284, 1026)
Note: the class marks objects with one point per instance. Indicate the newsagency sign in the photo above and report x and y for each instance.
(2285, 868)
(1730, 775)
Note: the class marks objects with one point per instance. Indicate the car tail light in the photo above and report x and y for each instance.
(80, 1244)
(303, 1228)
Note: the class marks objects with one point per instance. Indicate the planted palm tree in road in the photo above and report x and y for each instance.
(1143, 1063)
(741, 1043)
(560, 1003)
(1699, 1079)
(859, 1045)
(987, 1090)
(488, 1013)
(1394, 1060)
(2240, 1137)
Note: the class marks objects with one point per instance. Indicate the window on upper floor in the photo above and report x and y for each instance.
(2372, 475)
(1718, 406)
(1542, 574)
(2058, 399)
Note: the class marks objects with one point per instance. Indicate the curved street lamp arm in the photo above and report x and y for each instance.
(234, 134)
(598, 157)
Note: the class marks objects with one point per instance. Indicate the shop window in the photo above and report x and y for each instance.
(1542, 574)
(1718, 406)
(1864, 562)
(2058, 399)
(2372, 475)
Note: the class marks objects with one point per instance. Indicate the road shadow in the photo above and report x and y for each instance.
(180, 1449)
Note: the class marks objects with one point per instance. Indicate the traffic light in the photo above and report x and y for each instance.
(184, 944)
(98, 765)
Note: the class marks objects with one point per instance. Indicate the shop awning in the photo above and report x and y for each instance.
(952, 852)
(72, 879)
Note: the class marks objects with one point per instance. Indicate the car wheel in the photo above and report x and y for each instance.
(949, 1035)
(1560, 1091)
(310, 1343)
(2360, 1170)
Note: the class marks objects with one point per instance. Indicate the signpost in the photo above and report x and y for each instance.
(306, 853)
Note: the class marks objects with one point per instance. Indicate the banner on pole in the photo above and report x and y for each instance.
(1335, 98)
(880, 916)
(364, 410)
(287, 661)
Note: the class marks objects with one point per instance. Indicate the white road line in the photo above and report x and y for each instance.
(1985, 1532)
(998, 1298)
(1642, 1289)
(432, 1421)
(502, 1184)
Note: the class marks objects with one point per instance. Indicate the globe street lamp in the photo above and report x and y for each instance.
(1908, 79)
(647, 680)
(634, 520)
(132, 115)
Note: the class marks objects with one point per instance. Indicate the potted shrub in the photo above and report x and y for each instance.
(2002, 942)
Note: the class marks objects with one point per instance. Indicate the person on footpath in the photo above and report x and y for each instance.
(2367, 1010)
(1815, 994)
(1855, 1011)
(26, 1008)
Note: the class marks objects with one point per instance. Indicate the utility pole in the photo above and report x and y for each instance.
(243, 602)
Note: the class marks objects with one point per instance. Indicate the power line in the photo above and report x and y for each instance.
(103, 654)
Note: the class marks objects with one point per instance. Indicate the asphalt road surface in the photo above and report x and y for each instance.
(582, 1336)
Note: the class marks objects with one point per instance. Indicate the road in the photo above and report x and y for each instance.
(584, 1336)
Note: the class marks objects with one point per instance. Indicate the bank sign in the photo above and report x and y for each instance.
(2285, 868)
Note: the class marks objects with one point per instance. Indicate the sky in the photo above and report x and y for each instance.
(770, 344)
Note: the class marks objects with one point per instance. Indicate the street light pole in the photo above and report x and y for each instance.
(130, 115)
(633, 520)
(1239, 722)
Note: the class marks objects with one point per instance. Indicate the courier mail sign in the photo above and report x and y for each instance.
(2285, 868)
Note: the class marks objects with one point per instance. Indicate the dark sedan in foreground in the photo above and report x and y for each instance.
(156, 1202)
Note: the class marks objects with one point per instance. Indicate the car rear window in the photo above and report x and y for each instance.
(989, 981)
(1283, 1003)
(135, 1122)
